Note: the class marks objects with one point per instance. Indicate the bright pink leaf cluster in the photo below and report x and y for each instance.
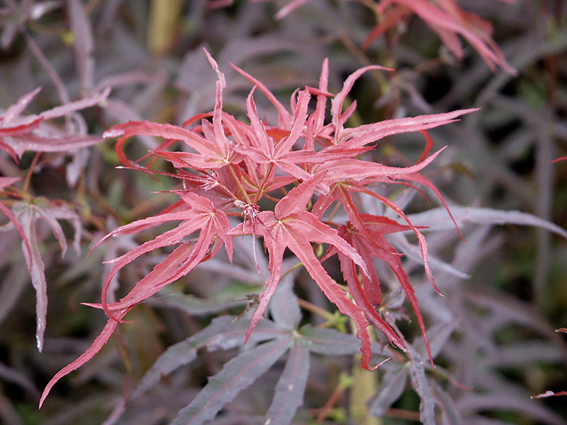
(302, 166)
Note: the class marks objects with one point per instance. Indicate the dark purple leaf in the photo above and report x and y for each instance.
(284, 308)
(237, 374)
(329, 341)
(224, 333)
(447, 404)
(436, 219)
(291, 386)
(421, 386)
(391, 387)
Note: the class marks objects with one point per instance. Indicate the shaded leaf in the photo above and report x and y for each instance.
(198, 306)
(27, 215)
(224, 333)
(421, 386)
(436, 219)
(329, 341)
(284, 307)
(236, 375)
(391, 387)
(450, 410)
(291, 386)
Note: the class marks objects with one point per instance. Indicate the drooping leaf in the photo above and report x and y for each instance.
(99, 342)
(449, 21)
(202, 216)
(27, 215)
(37, 272)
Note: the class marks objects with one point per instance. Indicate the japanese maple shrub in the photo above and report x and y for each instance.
(281, 180)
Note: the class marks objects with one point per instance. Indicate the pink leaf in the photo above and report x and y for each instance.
(97, 345)
(337, 103)
(293, 227)
(201, 216)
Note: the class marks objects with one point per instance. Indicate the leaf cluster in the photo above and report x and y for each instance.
(324, 197)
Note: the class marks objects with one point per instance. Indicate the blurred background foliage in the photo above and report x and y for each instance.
(150, 53)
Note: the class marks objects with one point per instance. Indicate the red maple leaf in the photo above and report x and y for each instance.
(230, 168)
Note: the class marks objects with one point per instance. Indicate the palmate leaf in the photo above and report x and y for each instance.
(224, 333)
(200, 215)
(236, 375)
(279, 154)
(291, 386)
(290, 226)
